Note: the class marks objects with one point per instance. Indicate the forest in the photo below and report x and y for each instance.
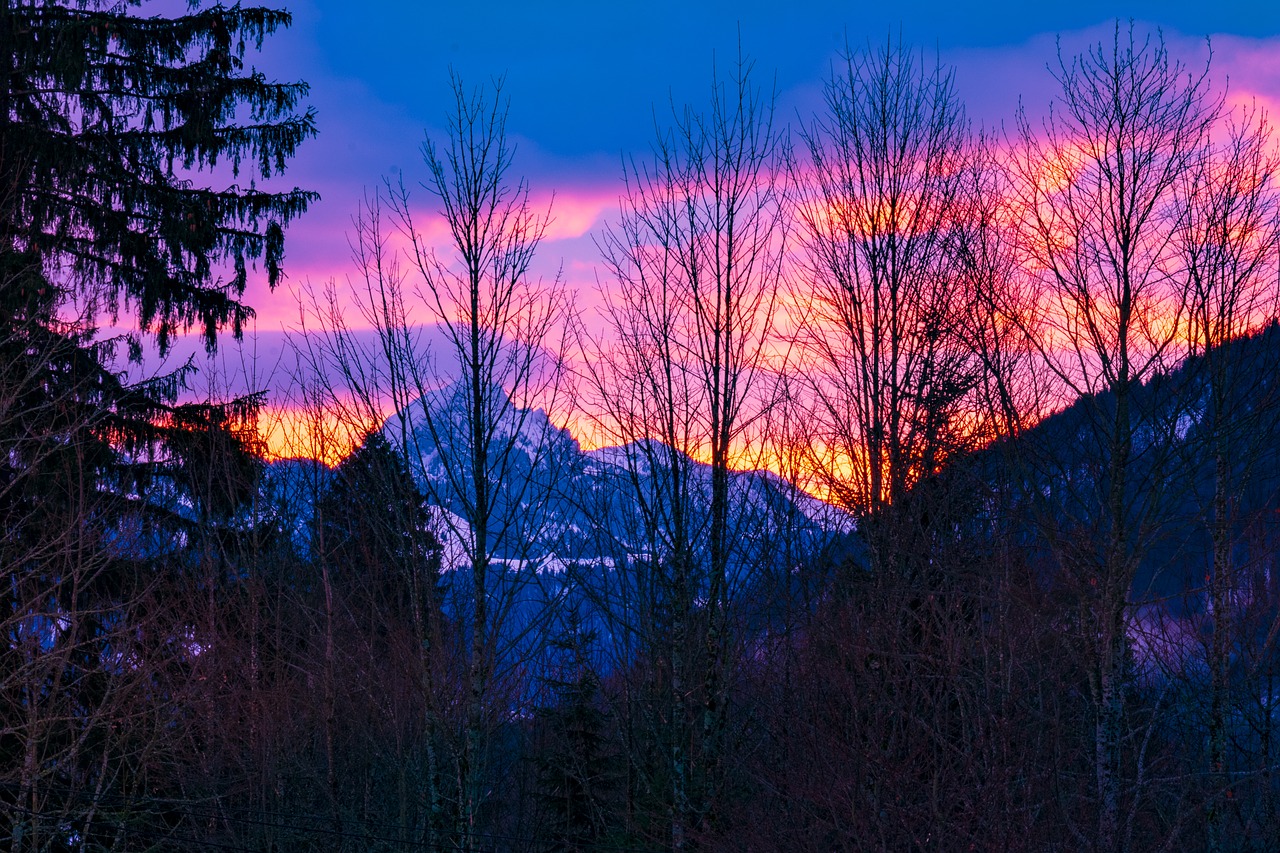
(907, 484)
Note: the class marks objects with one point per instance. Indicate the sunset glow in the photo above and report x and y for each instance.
(669, 427)
(580, 197)
(291, 433)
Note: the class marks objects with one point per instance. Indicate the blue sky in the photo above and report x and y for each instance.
(582, 76)
(586, 81)
(585, 78)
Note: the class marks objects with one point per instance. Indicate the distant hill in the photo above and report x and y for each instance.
(1059, 467)
(572, 530)
(557, 504)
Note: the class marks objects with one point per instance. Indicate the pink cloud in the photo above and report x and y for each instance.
(576, 212)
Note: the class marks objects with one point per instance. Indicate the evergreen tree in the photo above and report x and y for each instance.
(107, 119)
(573, 764)
(373, 523)
(105, 116)
(381, 634)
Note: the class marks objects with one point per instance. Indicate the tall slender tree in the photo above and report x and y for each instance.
(1098, 188)
(884, 205)
(1226, 245)
(466, 361)
(682, 373)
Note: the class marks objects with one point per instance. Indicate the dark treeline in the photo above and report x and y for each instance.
(1033, 376)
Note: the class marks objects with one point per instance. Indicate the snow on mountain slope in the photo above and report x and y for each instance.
(454, 534)
(556, 506)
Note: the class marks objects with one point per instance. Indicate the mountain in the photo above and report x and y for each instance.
(576, 537)
(558, 506)
(1185, 441)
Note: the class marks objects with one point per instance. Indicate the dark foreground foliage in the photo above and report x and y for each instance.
(1022, 631)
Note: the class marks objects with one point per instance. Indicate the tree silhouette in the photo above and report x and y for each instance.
(106, 119)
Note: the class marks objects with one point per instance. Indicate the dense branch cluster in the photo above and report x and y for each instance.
(1032, 377)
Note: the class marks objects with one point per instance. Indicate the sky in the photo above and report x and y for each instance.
(587, 81)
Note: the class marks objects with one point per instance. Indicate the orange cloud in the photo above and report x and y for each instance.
(293, 432)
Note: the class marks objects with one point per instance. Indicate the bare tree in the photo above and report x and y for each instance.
(464, 350)
(1097, 185)
(884, 202)
(1227, 246)
(682, 374)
